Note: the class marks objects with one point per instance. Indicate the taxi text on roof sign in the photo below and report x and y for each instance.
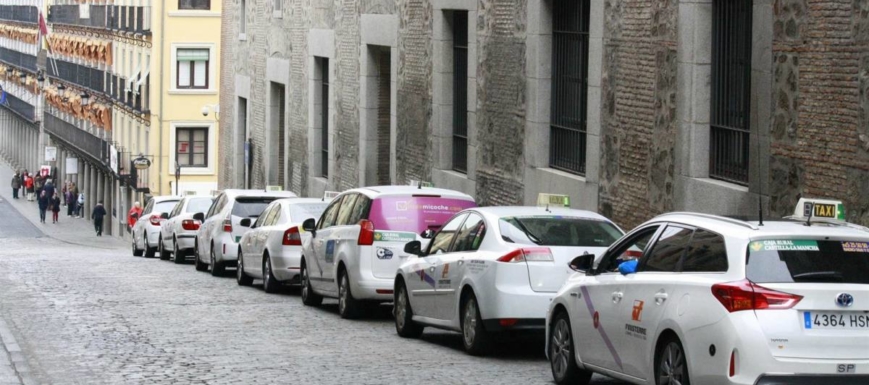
(331, 194)
(553, 200)
(419, 183)
(274, 188)
(819, 208)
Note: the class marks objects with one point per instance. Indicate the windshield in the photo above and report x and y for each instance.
(250, 207)
(808, 261)
(414, 213)
(558, 231)
(198, 205)
(164, 206)
(299, 212)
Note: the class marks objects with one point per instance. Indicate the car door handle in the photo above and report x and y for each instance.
(617, 296)
(461, 262)
(660, 298)
(431, 269)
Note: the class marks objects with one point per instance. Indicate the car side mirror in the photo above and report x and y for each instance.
(413, 247)
(310, 225)
(628, 267)
(427, 234)
(164, 215)
(199, 217)
(244, 222)
(581, 263)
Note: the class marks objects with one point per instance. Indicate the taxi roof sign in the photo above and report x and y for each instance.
(420, 183)
(808, 209)
(330, 194)
(553, 200)
(274, 188)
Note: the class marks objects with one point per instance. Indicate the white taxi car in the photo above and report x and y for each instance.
(272, 249)
(713, 300)
(178, 230)
(493, 269)
(358, 242)
(146, 231)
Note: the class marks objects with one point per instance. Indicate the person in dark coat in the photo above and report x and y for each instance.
(43, 202)
(38, 182)
(97, 216)
(71, 199)
(49, 188)
(55, 208)
(16, 185)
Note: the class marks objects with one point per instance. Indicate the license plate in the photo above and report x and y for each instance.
(836, 320)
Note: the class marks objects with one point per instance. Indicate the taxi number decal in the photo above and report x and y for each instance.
(832, 321)
(855, 247)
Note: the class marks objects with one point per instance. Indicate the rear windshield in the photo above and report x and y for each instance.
(250, 207)
(164, 206)
(558, 231)
(301, 211)
(414, 213)
(809, 261)
(198, 205)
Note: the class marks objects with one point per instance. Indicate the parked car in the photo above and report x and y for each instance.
(358, 243)
(494, 269)
(216, 243)
(272, 249)
(146, 231)
(715, 300)
(178, 230)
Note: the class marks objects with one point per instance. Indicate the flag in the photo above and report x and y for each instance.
(3, 100)
(43, 29)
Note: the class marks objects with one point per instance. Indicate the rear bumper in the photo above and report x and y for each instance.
(153, 235)
(533, 324)
(813, 380)
(286, 265)
(185, 241)
(225, 250)
(373, 289)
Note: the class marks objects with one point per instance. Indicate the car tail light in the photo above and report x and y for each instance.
(530, 254)
(190, 224)
(227, 225)
(733, 363)
(507, 322)
(292, 237)
(366, 233)
(747, 295)
(155, 220)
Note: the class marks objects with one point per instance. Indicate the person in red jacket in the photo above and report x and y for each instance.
(133, 215)
(28, 186)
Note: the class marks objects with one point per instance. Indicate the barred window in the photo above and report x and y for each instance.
(460, 91)
(194, 4)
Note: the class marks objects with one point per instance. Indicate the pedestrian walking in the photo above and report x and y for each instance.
(28, 185)
(97, 216)
(16, 185)
(133, 215)
(63, 192)
(38, 182)
(55, 208)
(71, 199)
(49, 188)
(43, 202)
(79, 205)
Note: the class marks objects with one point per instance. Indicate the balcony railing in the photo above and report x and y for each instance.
(19, 13)
(114, 17)
(20, 107)
(87, 77)
(84, 142)
(18, 59)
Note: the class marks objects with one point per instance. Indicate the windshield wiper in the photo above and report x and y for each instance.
(527, 233)
(823, 276)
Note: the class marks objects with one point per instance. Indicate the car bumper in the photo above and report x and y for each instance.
(186, 241)
(373, 289)
(153, 236)
(225, 250)
(813, 380)
(286, 265)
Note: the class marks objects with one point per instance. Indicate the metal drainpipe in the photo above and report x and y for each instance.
(162, 76)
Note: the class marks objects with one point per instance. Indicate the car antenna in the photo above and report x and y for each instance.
(419, 185)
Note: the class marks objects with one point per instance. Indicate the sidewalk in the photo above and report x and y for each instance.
(77, 231)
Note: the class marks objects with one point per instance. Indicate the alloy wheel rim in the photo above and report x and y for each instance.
(401, 308)
(267, 273)
(304, 283)
(342, 293)
(560, 348)
(240, 270)
(470, 323)
(211, 265)
(672, 369)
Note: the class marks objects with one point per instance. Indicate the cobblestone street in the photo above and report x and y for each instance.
(87, 315)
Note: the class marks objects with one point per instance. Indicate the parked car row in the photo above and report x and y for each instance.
(684, 297)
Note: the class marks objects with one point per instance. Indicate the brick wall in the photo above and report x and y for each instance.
(228, 39)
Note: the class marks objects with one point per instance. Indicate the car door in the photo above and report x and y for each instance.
(252, 251)
(319, 277)
(600, 297)
(451, 266)
(424, 280)
(210, 221)
(342, 238)
(139, 227)
(647, 294)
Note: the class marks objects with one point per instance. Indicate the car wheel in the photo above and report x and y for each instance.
(270, 283)
(348, 307)
(562, 356)
(309, 298)
(200, 266)
(671, 367)
(137, 252)
(216, 268)
(149, 251)
(180, 256)
(404, 324)
(474, 335)
(240, 277)
(164, 255)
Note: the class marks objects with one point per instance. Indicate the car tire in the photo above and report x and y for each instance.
(309, 297)
(270, 283)
(216, 267)
(404, 324)
(149, 251)
(137, 252)
(671, 365)
(198, 264)
(475, 338)
(240, 277)
(348, 307)
(562, 356)
(180, 255)
(164, 255)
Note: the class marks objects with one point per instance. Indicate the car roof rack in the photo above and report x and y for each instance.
(711, 216)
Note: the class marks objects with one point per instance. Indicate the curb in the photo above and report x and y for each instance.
(15, 356)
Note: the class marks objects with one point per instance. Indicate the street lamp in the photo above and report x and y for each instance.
(23, 76)
(177, 176)
(40, 80)
(85, 99)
